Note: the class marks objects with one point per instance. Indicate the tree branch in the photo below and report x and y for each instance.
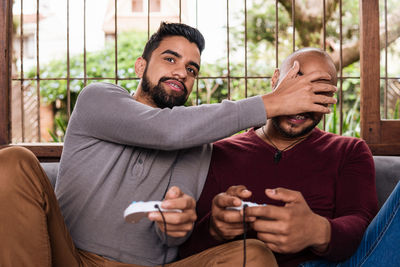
(351, 51)
(309, 18)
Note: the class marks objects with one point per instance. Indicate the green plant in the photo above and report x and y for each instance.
(98, 64)
(396, 110)
(350, 123)
(58, 136)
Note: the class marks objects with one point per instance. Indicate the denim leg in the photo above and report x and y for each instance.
(380, 244)
(318, 263)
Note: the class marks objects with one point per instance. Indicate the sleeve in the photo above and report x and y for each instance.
(108, 112)
(201, 239)
(356, 203)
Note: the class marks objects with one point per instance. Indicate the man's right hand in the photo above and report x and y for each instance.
(299, 94)
(227, 224)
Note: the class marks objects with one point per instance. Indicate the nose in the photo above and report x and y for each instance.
(179, 71)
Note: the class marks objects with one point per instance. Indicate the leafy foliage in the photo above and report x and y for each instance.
(261, 61)
(99, 64)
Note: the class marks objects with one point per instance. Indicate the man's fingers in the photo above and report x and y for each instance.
(176, 230)
(226, 230)
(182, 203)
(283, 194)
(176, 218)
(236, 190)
(317, 76)
(269, 237)
(229, 216)
(232, 226)
(294, 70)
(323, 99)
(270, 226)
(320, 87)
(321, 109)
(323, 88)
(269, 212)
(173, 192)
(223, 200)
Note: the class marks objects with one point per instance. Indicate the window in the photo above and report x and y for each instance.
(236, 32)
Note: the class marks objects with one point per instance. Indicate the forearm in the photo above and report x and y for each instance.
(346, 234)
(322, 235)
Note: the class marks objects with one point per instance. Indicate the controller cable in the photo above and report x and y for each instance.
(165, 235)
(244, 234)
(162, 214)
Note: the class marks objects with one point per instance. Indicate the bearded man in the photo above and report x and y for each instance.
(319, 189)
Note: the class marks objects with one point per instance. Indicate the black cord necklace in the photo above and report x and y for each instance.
(278, 153)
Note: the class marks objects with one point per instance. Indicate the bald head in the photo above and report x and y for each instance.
(310, 59)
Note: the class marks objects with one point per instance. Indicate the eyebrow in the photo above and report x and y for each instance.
(168, 51)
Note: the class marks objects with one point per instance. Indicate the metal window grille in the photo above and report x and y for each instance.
(236, 14)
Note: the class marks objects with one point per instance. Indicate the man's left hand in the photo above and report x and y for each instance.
(292, 227)
(178, 224)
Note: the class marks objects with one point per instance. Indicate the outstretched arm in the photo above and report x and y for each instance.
(108, 112)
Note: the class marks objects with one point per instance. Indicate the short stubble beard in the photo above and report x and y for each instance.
(287, 134)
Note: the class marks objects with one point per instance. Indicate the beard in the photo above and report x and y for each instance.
(160, 96)
(290, 134)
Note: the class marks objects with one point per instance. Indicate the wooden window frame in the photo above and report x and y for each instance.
(5, 71)
(45, 152)
(382, 136)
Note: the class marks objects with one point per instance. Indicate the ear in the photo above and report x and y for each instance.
(140, 66)
(275, 78)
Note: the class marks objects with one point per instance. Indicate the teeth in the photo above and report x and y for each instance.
(174, 85)
(299, 117)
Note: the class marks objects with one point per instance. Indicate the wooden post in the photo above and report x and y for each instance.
(370, 73)
(5, 70)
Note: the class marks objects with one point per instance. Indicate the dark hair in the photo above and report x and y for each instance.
(173, 29)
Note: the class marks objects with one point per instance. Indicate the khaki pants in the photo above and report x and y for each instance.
(33, 232)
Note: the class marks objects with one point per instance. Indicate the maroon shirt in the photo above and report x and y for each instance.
(335, 174)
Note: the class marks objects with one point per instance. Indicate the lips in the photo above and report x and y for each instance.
(174, 85)
(298, 118)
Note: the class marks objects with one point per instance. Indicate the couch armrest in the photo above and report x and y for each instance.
(51, 169)
(387, 175)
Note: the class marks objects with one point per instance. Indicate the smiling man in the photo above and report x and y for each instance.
(172, 90)
(319, 187)
(121, 148)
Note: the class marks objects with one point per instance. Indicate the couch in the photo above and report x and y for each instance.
(387, 175)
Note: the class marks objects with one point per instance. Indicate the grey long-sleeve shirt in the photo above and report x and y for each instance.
(118, 150)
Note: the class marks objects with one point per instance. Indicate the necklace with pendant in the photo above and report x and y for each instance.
(278, 153)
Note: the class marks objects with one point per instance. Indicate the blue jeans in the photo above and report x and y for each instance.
(380, 245)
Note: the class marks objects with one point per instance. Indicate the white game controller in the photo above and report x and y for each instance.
(249, 204)
(137, 210)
